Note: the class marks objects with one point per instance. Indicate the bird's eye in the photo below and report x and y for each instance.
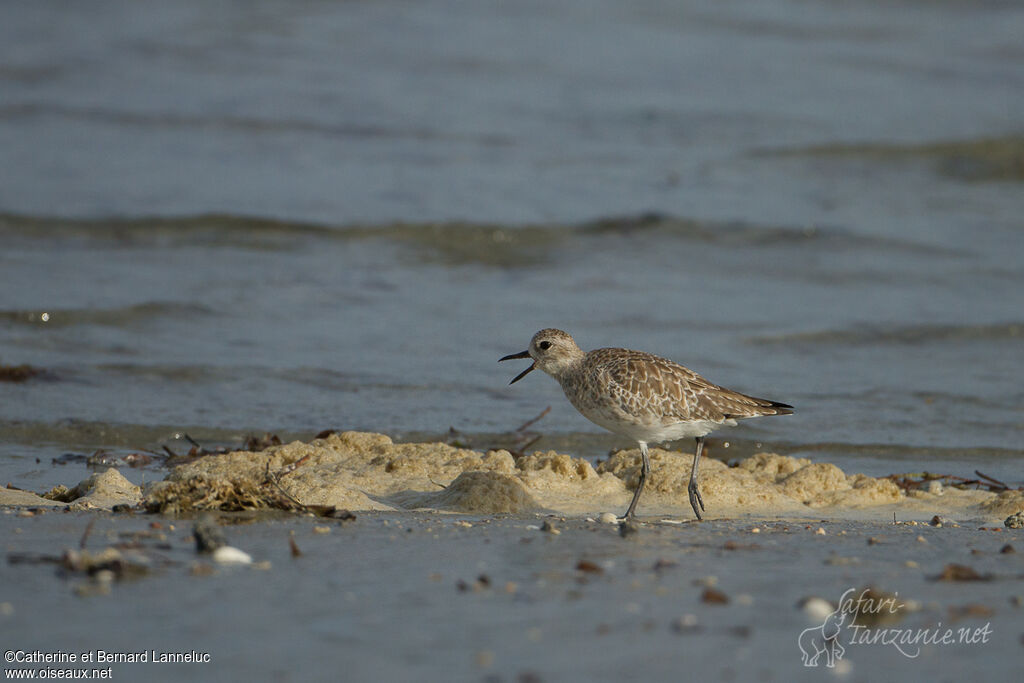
(544, 345)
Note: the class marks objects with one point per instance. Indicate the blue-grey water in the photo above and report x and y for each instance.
(221, 218)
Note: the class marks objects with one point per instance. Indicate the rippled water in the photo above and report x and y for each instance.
(289, 217)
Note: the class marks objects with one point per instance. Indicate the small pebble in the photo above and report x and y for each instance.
(548, 527)
(607, 518)
(936, 520)
(104, 576)
(1007, 549)
(959, 572)
(843, 667)
(88, 589)
(628, 527)
(820, 531)
(685, 624)
(208, 535)
(873, 541)
(817, 609)
(483, 582)
(1015, 521)
(321, 530)
(713, 596)
(910, 564)
(755, 530)
(227, 554)
(922, 539)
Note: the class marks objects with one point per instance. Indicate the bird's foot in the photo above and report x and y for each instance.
(627, 523)
(695, 499)
(628, 526)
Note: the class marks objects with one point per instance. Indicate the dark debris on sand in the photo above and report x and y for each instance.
(19, 373)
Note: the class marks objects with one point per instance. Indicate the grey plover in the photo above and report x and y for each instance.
(642, 396)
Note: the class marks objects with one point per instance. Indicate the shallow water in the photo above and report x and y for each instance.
(218, 221)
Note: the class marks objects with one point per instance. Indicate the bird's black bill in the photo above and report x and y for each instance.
(516, 356)
(522, 374)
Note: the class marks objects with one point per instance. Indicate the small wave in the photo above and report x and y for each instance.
(909, 335)
(207, 230)
(452, 242)
(982, 159)
(740, 233)
(247, 124)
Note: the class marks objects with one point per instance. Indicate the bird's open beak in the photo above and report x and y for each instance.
(515, 356)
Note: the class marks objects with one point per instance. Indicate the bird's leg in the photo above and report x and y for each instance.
(645, 469)
(695, 497)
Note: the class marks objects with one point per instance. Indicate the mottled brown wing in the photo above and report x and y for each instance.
(647, 384)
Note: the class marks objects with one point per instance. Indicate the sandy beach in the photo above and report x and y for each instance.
(461, 565)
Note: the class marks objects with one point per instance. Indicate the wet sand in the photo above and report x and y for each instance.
(541, 591)
(428, 596)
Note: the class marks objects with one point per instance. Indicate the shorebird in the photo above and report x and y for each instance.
(642, 396)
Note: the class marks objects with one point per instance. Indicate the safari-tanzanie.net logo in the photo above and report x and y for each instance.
(868, 618)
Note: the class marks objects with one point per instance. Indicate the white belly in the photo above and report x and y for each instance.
(651, 432)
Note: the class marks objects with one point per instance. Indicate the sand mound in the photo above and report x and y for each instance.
(477, 492)
(362, 471)
(1005, 503)
(102, 490)
(765, 483)
(18, 498)
(352, 470)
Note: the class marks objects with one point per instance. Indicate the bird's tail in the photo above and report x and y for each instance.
(751, 406)
(776, 408)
